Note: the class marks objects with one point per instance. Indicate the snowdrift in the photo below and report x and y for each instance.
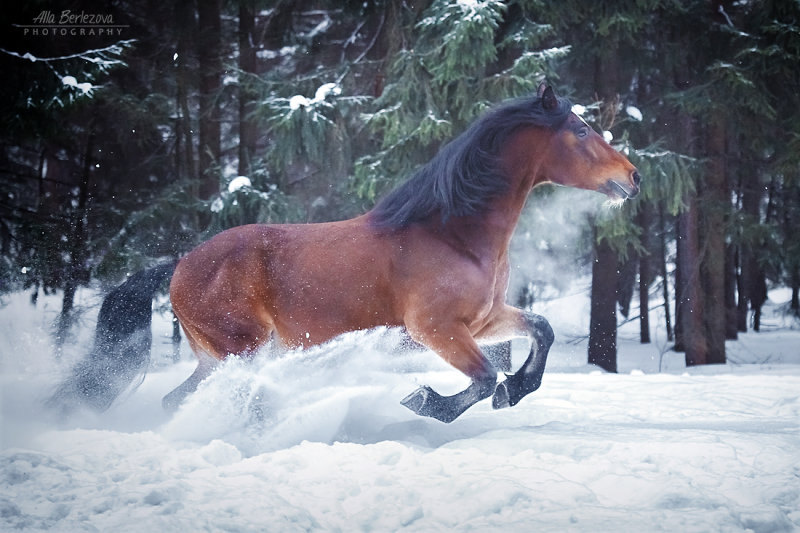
(317, 440)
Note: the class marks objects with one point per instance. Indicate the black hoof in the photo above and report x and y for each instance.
(416, 400)
(427, 402)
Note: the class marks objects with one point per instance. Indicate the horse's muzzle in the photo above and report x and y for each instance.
(621, 191)
(637, 179)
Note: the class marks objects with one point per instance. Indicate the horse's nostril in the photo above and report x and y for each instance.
(636, 178)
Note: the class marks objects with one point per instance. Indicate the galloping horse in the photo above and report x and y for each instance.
(431, 257)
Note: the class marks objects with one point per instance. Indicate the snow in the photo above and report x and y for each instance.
(297, 101)
(634, 113)
(239, 182)
(317, 440)
(578, 109)
(321, 27)
(85, 88)
(217, 205)
(326, 89)
(323, 91)
(608, 136)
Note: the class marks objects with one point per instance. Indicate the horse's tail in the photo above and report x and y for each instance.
(121, 349)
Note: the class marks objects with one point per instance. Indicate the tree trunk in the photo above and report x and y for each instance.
(715, 202)
(664, 274)
(760, 296)
(643, 219)
(790, 221)
(176, 339)
(680, 285)
(603, 314)
(247, 96)
(751, 278)
(689, 328)
(184, 145)
(209, 55)
(76, 270)
(731, 331)
(626, 281)
(741, 285)
(690, 295)
(603, 307)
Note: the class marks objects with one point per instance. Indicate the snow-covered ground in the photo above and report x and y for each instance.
(317, 441)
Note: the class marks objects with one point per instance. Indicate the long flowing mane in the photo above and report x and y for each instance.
(465, 175)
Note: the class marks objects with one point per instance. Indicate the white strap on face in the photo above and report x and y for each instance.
(582, 120)
(579, 110)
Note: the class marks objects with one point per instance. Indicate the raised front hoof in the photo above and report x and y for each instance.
(512, 390)
(426, 402)
(509, 392)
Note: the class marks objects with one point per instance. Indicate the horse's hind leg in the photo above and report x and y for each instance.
(529, 377)
(205, 365)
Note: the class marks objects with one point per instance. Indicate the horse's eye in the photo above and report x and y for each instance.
(583, 132)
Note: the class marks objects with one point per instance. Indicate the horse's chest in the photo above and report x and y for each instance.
(484, 288)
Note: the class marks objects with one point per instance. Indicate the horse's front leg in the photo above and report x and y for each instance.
(529, 377)
(427, 402)
(456, 346)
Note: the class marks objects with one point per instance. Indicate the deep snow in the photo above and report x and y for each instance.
(318, 440)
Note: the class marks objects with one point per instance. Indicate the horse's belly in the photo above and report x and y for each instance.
(316, 315)
(325, 280)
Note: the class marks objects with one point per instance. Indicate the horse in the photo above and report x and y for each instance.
(431, 257)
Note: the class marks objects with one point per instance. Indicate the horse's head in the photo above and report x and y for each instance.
(579, 157)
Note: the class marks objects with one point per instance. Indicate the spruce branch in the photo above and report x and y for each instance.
(104, 58)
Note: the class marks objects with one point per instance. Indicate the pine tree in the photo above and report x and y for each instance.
(48, 157)
(209, 56)
(600, 71)
(325, 98)
(434, 89)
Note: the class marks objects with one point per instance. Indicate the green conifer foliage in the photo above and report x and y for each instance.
(463, 57)
(344, 100)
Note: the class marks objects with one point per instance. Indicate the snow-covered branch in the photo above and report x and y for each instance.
(99, 60)
(104, 58)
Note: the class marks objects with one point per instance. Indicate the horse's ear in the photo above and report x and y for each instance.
(549, 101)
(540, 90)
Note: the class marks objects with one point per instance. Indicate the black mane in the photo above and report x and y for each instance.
(465, 175)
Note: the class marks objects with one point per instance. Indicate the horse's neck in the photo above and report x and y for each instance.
(487, 234)
(484, 236)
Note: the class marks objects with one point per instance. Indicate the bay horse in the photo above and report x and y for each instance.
(431, 257)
